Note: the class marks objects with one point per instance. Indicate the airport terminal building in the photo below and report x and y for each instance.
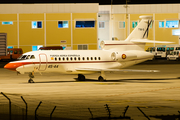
(83, 26)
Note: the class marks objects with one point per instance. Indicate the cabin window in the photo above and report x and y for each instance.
(99, 58)
(63, 58)
(87, 58)
(83, 58)
(59, 58)
(67, 58)
(91, 58)
(75, 58)
(55, 58)
(71, 58)
(79, 58)
(95, 58)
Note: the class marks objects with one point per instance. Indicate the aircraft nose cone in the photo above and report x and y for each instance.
(11, 66)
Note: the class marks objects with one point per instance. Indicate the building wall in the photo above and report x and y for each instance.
(165, 34)
(11, 30)
(22, 35)
(85, 35)
(103, 33)
(55, 35)
(160, 12)
(119, 33)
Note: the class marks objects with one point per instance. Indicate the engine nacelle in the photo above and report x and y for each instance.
(123, 56)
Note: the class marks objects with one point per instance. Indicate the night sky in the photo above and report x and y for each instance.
(101, 2)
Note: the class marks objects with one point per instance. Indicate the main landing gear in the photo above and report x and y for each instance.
(81, 77)
(101, 78)
(31, 75)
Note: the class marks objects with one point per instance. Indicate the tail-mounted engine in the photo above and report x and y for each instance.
(123, 56)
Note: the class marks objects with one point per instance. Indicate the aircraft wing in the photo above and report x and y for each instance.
(149, 41)
(114, 70)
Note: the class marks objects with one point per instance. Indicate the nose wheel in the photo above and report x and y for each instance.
(30, 81)
(31, 75)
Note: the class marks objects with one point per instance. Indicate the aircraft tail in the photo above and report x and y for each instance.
(141, 30)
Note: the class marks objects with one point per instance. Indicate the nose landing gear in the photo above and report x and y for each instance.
(31, 75)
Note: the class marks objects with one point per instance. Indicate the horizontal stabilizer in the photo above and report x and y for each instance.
(113, 70)
(148, 41)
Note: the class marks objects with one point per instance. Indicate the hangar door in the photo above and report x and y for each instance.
(3, 44)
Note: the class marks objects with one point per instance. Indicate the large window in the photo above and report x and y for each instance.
(63, 24)
(85, 24)
(101, 24)
(161, 24)
(121, 24)
(36, 24)
(7, 23)
(82, 47)
(176, 32)
(151, 25)
(9, 47)
(134, 24)
(35, 48)
(172, 23)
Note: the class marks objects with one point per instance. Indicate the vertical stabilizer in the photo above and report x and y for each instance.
(141, 30)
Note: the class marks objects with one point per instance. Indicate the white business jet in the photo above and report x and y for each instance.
(114, 56)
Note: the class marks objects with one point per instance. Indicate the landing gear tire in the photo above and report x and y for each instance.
(31, 75)
(81, 77)
(30, 81)
(100, 78)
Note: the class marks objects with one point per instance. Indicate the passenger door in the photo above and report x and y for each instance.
(42, 62)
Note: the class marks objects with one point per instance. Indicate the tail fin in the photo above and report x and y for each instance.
(141, 30)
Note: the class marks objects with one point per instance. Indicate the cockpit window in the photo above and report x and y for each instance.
(23, 57)
(28, 57)
(32, 57)
(20, 57)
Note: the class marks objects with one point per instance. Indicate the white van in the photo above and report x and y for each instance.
(160, 52)
(173, 55)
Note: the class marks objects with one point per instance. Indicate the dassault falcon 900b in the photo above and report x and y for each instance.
(114, 56)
